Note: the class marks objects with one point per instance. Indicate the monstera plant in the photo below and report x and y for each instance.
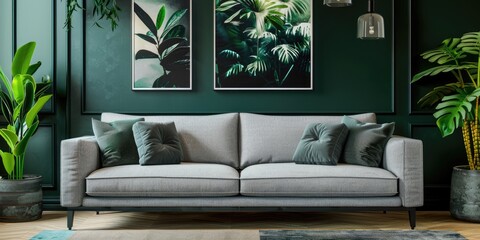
(21, 100)
(457, 106)
(457, 101)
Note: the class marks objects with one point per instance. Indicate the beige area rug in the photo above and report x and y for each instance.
(167, 234)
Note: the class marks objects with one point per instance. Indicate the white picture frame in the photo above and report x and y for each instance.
(171, 35)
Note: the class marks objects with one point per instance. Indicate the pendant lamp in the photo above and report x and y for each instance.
(337, 3)
(370, 25)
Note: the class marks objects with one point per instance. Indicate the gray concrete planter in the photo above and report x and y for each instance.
(465, 194)
(21, 200)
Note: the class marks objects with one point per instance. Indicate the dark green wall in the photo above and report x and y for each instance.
(92, 69)
(107, 83)
(22, 21)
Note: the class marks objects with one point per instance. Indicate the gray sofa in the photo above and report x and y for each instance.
(241, 161)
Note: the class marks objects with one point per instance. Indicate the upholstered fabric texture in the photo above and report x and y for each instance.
(210, 177)
(321, 143)
(177, 180)
(342, 180)
(243, 201)
(157, 143)
(404, 158)
(79, 157)
(204, 139)
(116, 141)
(270, 139)
(365, 142)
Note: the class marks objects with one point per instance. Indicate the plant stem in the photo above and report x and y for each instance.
(459, 75)
(467, 140)
(476, 141)
(478, 70)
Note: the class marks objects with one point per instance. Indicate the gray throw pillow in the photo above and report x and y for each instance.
(321, 143)
(157, 143)
(116, 142)
(366, 142)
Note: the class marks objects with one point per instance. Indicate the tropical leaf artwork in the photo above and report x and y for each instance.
(162, 49)
(263, 44)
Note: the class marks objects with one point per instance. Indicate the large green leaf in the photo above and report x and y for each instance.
(22, 145)
(42, 88)
(6, 106)
(147, 38)
(173, 20)
(234, 70)
(18, 86)
(16, 113)
(34, 67)
(276, 22)
(258, 65)
(22, 58)
(286, 53)
(176, 54)
(145, 54)
(168, 43)
(471, 43)
(32, 114)
(441, 69)
(453, 110)
(437, 94)
(8, 161)
(296, 8)
(145, 18)
(447, 52)
(29, 97)
(160, 17)
(10, 137)
(227, 5)
(302, 29)
(233, 16)
(6, 83)
(177, 31)
(228, 53)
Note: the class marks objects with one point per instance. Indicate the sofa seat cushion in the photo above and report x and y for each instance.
(300, 180)
(176, 180)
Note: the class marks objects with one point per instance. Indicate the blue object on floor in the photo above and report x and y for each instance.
(53, 235)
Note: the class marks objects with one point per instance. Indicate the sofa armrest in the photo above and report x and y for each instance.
(78, 158)
(404, 158)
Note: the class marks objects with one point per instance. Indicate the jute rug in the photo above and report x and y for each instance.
(248, 235)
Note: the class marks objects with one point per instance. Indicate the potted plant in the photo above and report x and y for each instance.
(21, 100)
(457, 106)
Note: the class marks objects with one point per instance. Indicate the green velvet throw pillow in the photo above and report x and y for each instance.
(366, 142)
(157, 143)
(116, 142)
(321, 143)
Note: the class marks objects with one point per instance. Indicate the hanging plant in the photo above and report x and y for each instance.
(102, 9)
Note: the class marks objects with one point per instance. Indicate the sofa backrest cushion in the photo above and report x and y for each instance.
(204, 139)
(273, 139)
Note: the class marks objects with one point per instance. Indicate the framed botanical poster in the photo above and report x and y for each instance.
(161, 45)
(263, 45)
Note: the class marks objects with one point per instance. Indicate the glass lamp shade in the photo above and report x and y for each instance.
(337, 3)
(370, 26)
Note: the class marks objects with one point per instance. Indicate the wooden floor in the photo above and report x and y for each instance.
(321, 221)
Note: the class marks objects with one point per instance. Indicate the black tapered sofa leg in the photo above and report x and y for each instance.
(412, 216)
(70, 215)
